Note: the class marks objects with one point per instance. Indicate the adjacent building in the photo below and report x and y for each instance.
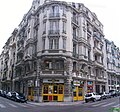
(59, 53)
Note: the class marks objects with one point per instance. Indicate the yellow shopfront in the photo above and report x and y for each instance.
(53, 91)
(78, 91)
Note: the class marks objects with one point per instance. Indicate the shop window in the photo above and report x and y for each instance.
(50, 89)
(60, 89)
(74, 93)
(80, 91)
(55, 89)
(45, 98)
(45, 90)
(55, 98)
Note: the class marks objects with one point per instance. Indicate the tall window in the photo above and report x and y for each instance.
(58, 65)
(84, 50)
(55, 10)
(35, 32)
(74, 32)
(54, 26)
(64, 11)
(44, 27)
(64, 27)
(43, 43)
(54, 43)
(64, 43)
(74, 48)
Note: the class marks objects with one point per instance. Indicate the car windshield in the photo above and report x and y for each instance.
(88, 95)
(100, 93)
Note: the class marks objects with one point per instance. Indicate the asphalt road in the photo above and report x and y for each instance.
(98, 106)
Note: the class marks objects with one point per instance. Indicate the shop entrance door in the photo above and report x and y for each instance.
(30, 94)
(53, 92)
(78, 93)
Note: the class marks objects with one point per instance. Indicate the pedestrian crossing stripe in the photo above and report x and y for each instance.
(99, 104)
(2, 106)
(12, 105)
(108, 104)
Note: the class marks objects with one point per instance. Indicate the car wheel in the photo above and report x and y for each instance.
(94, 100)
(86, 101)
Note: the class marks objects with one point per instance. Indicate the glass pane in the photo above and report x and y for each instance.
(55, 98)
(80, 89)
(60, 89)
(50, 89)
(45, 97)
(55, 89)
(74, 93)
(45, 89)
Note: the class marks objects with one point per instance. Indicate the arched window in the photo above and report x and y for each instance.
(55, 10)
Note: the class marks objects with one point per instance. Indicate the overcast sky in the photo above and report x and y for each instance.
(12, 11)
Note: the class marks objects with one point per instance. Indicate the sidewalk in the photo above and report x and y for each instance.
(56, 103)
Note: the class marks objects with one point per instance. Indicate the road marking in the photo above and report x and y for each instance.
(93, 103)
(22, 105)
(2, 106)
(12, 105)
(28, 104)
(108, 104)
(98, 104)
(116, 105)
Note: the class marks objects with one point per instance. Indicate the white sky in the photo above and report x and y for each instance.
(12, 11)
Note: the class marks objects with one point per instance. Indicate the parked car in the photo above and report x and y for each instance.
(9, 95)
(113, 92)
(108, 95)
(3, 93)
(92, 97)
(103, 95)
(18, 97)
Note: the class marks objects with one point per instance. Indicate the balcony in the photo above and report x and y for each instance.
(19, 62)
(53, 72)
(54, 32)
(98, 64)
(6, 57)
(97, 35)
(83, 40)
(13, 44)
(54, 15)
(89, 30)
(4, 79)
(75, 21)
(20, 49)
(101, 79)
(96, 50)
(75, 55)
(31, 40)
(75, 37)
(20, 39)
(5, 68)
(36, 23)
(83, 57)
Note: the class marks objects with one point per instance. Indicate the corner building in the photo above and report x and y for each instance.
(59, 52)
